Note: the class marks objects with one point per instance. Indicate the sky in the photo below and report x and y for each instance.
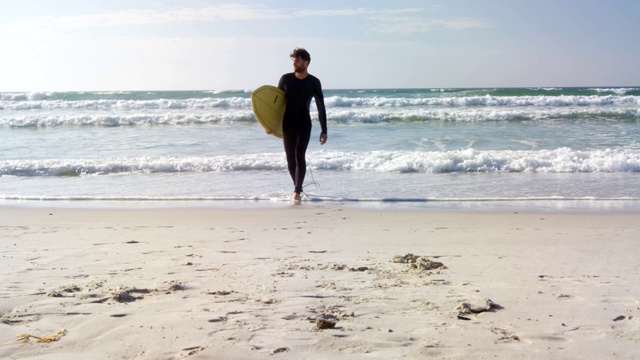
(110, 45)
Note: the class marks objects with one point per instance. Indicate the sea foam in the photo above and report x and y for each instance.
(562, 160)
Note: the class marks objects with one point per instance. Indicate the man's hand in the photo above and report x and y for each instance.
(323, 138)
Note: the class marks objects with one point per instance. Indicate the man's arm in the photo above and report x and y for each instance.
(322, 113)
(281, 83)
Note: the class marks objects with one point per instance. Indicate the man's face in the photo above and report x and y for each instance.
(299, 65)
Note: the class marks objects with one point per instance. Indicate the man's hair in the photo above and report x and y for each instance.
(300, 53)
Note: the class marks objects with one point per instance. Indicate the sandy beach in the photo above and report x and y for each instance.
(317, 282)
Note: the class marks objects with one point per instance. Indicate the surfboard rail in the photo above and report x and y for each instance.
(268, 103)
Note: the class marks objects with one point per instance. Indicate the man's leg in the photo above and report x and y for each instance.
(301, 162)
(289, 141)
(295, 147)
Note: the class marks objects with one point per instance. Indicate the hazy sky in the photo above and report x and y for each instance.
(56, 45)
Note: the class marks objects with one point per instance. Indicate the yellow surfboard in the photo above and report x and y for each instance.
(268, 104)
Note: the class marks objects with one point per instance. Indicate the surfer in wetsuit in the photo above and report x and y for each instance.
(300, 87)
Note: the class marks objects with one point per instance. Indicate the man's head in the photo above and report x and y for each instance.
(301, 59)
(300, 53)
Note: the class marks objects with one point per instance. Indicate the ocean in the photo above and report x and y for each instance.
(510, 148)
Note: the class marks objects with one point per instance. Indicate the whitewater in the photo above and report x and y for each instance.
(548, 147)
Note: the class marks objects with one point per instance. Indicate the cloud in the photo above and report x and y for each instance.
(353, 12)
(406, 25)
(392, 21)
(153, 17)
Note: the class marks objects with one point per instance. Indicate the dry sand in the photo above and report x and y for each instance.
(255, 284)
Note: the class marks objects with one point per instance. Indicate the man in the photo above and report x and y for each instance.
(300, 87)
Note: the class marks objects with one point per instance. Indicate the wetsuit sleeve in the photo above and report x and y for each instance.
(281, 83)
(322, 112)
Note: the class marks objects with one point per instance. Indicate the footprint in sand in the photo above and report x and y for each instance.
(505, 336)
(565, 297)
(550, 338)
(280, 350)
(191, 351)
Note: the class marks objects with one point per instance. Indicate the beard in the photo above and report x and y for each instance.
(299, 69)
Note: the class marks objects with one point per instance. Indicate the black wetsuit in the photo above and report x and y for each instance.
(296, 125)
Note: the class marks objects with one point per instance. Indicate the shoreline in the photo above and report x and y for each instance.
(206, 283)
(582, 205)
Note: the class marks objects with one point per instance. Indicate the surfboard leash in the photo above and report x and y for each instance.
(312, 179)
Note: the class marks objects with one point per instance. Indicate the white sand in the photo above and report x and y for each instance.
(249, 284)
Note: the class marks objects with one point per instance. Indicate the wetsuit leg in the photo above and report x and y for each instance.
(295, 147)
